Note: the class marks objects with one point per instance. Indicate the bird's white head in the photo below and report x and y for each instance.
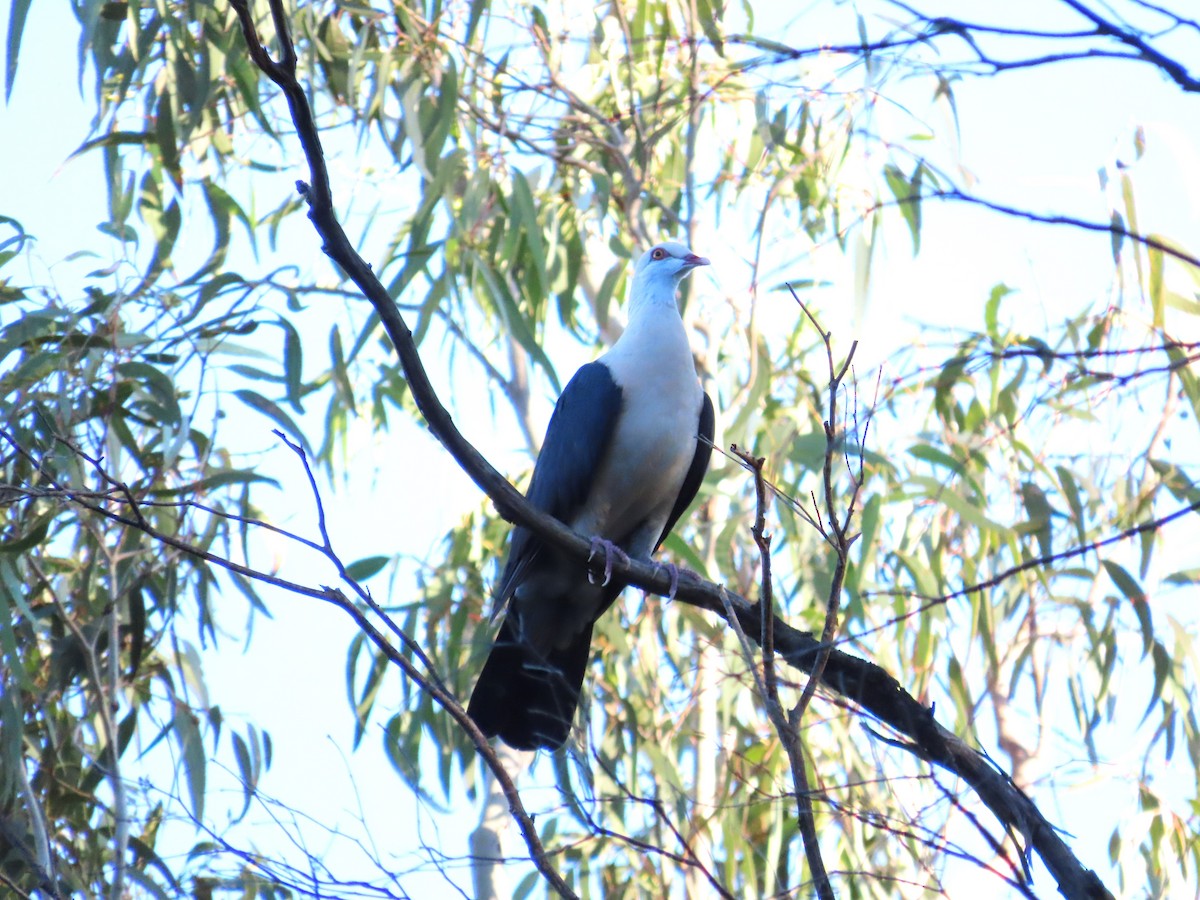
(658, 272)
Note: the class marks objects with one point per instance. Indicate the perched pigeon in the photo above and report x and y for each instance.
(624, 455)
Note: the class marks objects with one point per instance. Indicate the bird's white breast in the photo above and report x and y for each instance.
(655, 439)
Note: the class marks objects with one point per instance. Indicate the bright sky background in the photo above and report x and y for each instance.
(1032, 139)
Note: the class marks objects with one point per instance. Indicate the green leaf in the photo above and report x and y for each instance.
(1040, 515)
(218, 479)
(293, 364)
(114, 139)
(443, 115)
(246, 772)
(1184, 577)
(518, 325)
(991, 310)
(968, 510)
(1070, 489)
(164, 136)
(158, 385)
(935, 456)
(1156, 285)
(1133, 592)
(365, 701)
(477, 9)
(605, 294)
(187, 735)
(1162, 671)
(1041, 348)
(959, 692)
(1118, 235)
(272, 411)
(13, 590)
(1131, 218)
(525, 216)
(16, 27)
(684, 552)
(34, 536)
(709, 13)
(526, 885)
(362, 569)
(908, 199)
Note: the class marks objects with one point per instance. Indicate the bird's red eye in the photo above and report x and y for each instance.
(657, 253)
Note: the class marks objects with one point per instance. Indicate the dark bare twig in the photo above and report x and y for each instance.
(940, 845)
(1039, 562)
(688, 858)
(17, 892)
(430, 682)
(787, 727)
(996, 844)
(837, 534)
(858, 680)
(1172, 67)
(973, 359)
(326, 550)
(1139, 48)
(1111, 228)
(766, 598)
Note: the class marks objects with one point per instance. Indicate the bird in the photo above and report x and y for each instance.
(625, 452)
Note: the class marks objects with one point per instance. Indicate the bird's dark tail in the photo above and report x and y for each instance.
(525, 698)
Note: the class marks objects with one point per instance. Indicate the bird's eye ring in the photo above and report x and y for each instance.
(657, 253)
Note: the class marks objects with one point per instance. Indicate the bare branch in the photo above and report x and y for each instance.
(788, 728)
(1172, 67)
(1039, 562)
(1114, 228)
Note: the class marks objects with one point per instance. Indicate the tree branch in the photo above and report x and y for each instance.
(785, 725)
(1113, 228)
(1174, 69)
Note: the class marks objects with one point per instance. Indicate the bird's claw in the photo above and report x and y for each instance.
(673, 571)
(609, 549)
(678, 576)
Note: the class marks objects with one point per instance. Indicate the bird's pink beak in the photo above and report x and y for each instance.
(692, 260)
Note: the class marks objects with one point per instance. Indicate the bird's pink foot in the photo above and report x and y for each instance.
(609, 549)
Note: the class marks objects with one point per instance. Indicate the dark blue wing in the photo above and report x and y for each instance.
(576, 442)
(695, 474)
(577, 439)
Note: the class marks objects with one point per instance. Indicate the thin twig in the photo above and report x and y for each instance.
(326, 549)
(839, 526)
(1037, 563)
(1113, 228)
(858, 680)
(786, 727)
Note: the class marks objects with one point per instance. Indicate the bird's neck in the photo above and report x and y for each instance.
(655, 333)
(658, 294)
